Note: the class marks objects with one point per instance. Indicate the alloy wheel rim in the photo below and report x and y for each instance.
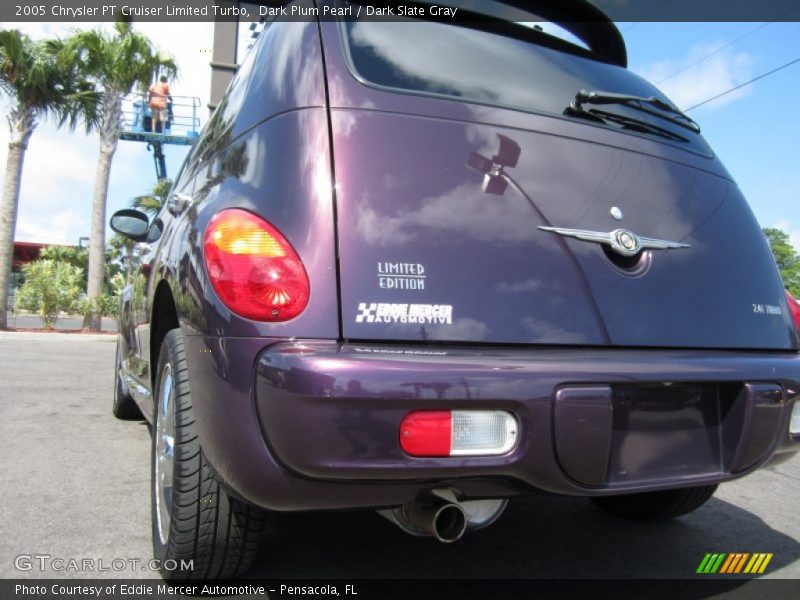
(165, 453)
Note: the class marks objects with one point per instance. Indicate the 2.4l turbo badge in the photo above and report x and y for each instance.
(767, 309)
(386, 312)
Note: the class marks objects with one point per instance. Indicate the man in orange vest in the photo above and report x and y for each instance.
(159, 92)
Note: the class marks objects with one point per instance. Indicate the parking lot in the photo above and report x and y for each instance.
(76, 485)
(28, 321)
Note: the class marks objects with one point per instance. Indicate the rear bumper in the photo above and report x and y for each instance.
(592, 421)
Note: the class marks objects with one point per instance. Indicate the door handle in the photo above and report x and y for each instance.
(177, 203)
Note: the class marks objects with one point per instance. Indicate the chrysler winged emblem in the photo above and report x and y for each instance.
(621, 241)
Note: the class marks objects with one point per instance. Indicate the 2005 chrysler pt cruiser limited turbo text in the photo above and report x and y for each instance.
(425, 267)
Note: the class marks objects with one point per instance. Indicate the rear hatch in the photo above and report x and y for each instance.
(452, 152)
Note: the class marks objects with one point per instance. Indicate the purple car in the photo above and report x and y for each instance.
(424, 267)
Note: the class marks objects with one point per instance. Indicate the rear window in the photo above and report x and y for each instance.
(482, 67)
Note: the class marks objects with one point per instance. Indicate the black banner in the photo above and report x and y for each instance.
(381, 589)
(384, 10)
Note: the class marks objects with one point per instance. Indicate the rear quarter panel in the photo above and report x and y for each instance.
(266, 149)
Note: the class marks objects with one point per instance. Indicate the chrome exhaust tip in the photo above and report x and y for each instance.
(446, 521)
(440, 515)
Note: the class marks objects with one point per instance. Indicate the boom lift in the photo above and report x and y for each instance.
(182, 127)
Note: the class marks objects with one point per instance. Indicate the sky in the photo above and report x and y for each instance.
(753, 130)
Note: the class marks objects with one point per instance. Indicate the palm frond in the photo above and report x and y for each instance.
(153, 201)
(149, 204)
(125, 60)
(45, 79)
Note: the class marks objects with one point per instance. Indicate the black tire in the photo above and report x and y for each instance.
(124, 406)
(657, 506)
(218, 535)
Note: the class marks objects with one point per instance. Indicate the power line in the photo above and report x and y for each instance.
(646, 15)
(729, 44)
(741, 85)
(707, 56)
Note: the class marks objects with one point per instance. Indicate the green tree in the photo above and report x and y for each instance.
(123, 255)
(38, 85)
(152, 201)
(119, 63)
(786, 258)
(107, 304)
(116, 252)
(50, 287)
(74, 255)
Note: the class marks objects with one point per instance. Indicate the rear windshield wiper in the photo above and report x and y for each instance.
(603, 116)
(641, 103)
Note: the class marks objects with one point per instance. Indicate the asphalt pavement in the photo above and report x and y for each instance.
(76, 485)
(28, 321)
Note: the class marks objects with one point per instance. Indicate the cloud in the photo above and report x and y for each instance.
(461, 329)
(191, 48)
(791, 230)
(56, 186)
(55, 228)
(543, 331)
(464, 209)
(57, 164)
(714, 75)
(59, 170)
(519, 287)
(189, 43)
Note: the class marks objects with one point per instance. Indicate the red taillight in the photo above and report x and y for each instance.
(794, 308)
(253, 268)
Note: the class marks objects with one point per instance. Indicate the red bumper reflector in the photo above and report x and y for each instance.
(426, 433)
(458, 433)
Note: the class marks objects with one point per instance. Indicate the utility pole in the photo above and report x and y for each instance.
(223, 55)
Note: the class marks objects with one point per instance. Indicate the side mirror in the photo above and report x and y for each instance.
(131, 223)
(155, 231)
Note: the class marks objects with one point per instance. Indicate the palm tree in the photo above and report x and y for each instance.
(152, 201)
(39, 84)
(118, 62)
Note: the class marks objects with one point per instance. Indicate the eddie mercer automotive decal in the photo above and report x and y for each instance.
(384, 312)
